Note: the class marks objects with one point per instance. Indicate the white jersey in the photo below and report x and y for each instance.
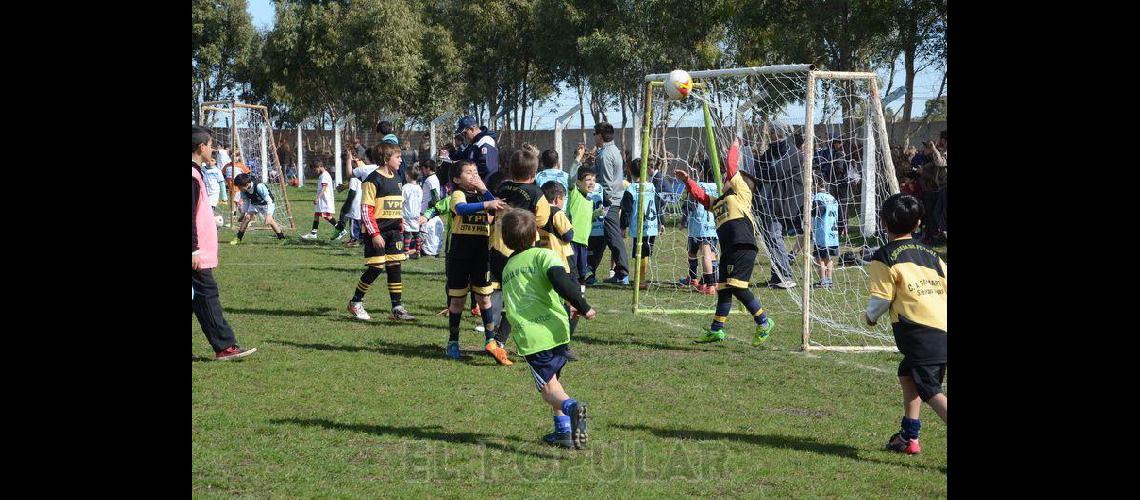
(354, 207)
(326, 200)
(432, 182)
(413, 196)
(215, 184)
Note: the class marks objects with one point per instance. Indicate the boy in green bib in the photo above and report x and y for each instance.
(534, 284)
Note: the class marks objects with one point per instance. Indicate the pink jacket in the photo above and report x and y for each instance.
(205, 229)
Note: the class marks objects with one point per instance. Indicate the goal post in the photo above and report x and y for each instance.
(248, 132)
(794, 123)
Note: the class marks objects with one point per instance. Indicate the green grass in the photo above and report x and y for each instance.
(333, 407)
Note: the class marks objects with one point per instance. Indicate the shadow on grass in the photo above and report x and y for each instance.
(423, 351)
(772, 441)
(586, 339)
(421, 433)
(312, 311)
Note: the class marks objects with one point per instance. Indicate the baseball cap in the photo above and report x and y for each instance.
(465, 123)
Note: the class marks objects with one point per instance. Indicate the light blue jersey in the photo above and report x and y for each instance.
(650, 209)
(825, 224)
(556, 175)
(598, 227)
(701, 222)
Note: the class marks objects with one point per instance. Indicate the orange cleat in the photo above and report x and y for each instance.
(496, 349)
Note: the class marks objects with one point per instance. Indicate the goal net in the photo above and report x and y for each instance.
(789, 120)
(244, 131)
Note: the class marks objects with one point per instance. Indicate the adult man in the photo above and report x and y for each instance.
(831, 163)
(611, 176)
(481, 148)
(779, 199)
(361, 151)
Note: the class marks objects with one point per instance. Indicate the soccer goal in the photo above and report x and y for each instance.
(789, 120)
(245, 130)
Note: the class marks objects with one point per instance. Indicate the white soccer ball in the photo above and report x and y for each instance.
(679, 84)
(219, 220)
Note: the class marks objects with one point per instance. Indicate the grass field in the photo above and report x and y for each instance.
(329, 406)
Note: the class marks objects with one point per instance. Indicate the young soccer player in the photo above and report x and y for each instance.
(735, 229)
(596, 243)
(582, 214)
(702, 240)
(413, 201)
(908, 279)
(630, 212)
(382, 214)
(255, 200)
(552, 171)
(824, 231)
(518, 192)
(215, 184)
(467, 258)
(431, 234)
(558, 236)
(534, 285)
(323, 203)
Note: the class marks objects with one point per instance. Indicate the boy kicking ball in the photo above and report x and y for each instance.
(256, 200)
(323, 204)
(535, 282)
(908, 279)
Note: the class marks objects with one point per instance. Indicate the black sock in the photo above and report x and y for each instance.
(365, 283)
(315, 224)
(332, 222)
(709, 279)
(473, 301)
(692, 270)
(395, 286)
(340, 225)
(240, 235)
(453, 326)
(504, 332)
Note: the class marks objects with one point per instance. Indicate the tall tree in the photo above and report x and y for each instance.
(223, 40)
(920, 34)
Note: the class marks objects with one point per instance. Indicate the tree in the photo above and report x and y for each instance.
(223, 40)
(920, 34)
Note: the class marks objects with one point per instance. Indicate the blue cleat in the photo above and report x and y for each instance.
(453, 350)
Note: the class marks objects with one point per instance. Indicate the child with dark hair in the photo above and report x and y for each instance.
(824, 231)
(908, 279)
(630, 213)
(256, 200)
(702, 240)
(583, 205)
(552, 171)
(535, 284)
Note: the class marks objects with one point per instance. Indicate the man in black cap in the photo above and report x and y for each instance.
(481, 148)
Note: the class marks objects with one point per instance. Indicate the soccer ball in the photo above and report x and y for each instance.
(679, 84)
(219, 221)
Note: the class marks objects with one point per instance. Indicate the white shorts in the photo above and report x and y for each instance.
(266, 210)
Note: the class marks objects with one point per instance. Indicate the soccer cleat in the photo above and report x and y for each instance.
(562, 439)
(712, 336)
(233, 352)
(453, 350)
(235, 241)
(578, 430)
(357, 309)
(571, 355)
(763, 331)
(342, 234)
(590, 280)
(477, 312)
(776, 283)
(400, 313)
(311, 235)
(496, 349)
(900, 444)
(624, 280)
(710, 289)
(685, 281)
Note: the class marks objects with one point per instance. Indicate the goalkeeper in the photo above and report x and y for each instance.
(735, 229)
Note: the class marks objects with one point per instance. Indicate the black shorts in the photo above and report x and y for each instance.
(544, 365)
(496, 262)
(736, 266)
(695, 244)
(393, 250)
(928, 378)
(646, 244)
(825, 252)
(468, 270)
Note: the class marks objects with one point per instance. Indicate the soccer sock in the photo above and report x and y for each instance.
(692, 269)
(365, 283)
(315, 224)
(453, 326)
(340, 225)
(910, 427)
(504, 331)
(332, 221)
(473, 304)
(567, 404)
(488, 324)
(240, 235)
(709, 279)
(751, 303)
(561, 423)
(496, 304)
(723, 306)
(395, 287)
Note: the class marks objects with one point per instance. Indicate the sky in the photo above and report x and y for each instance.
(925, 85)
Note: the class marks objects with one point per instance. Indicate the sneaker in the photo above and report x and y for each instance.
(312, 235)
(342, 234)
(453, 350)
(400, 313)
(685, 281)
(624, 280)
(712, 336)
(233, 352)
(710, 289)
(481, 329)
(562, 439)
(590, 280)
(571, 355)
(578, 430)
(900, 444)
(763, 331)
(496, 349)
(357, 309)
(235, 241)
(477, 312)
(776, 283)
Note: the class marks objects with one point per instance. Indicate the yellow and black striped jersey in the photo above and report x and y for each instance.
(559, 223)
(382, 193)
(912, 277)
(468, 231)
(733, 213)
(524, 196)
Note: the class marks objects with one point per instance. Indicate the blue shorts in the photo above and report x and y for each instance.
(695, 244)
(544, 365)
